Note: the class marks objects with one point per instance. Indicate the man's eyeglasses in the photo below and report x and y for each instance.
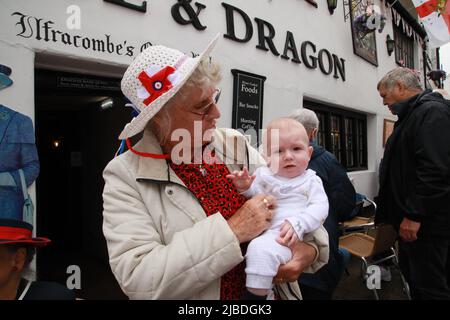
(205, 109)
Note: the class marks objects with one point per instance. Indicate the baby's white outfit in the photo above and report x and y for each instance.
(301, 201)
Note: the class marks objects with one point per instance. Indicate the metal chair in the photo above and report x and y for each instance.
(367, 248)
(364, 219)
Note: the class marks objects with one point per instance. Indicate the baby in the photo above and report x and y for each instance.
(302, 204)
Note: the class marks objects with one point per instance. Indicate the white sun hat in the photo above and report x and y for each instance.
(153, 78)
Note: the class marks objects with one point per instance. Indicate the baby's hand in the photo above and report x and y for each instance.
(287, 235)
(241, 179)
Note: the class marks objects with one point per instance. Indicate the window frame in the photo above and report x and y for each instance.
(403, 47)
(359, 151)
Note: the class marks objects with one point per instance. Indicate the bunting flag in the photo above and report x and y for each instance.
(398, 19)
(436, 24)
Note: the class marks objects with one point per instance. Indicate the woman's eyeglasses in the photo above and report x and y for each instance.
(205, 109)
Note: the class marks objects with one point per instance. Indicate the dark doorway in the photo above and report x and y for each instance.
(76, 138)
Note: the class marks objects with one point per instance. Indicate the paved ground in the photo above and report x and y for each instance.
(352, 287)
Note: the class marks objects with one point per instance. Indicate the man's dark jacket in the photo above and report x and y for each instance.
(415, 170)
(341, 197)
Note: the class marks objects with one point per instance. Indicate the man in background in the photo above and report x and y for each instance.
(414, 193)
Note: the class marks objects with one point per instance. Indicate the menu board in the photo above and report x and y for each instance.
(248, 94)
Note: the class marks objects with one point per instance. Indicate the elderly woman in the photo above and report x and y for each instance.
(175, 226)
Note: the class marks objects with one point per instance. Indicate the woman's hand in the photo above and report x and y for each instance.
(303, 255)
(252, 218)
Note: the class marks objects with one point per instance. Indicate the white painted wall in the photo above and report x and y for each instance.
(445, 63)
(286, 85)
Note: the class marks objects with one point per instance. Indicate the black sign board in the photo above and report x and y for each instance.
(248, 89)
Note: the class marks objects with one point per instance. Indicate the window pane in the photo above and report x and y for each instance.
(360, 147)
(335, 137)
(349, 142)
(342, 133)
(321, 132)
(404, 47)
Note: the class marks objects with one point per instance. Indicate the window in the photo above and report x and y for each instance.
(343, 133)
(404, 48)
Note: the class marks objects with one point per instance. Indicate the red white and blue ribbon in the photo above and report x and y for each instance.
(155, 82)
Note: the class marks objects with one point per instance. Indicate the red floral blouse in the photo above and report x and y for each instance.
(216, 193)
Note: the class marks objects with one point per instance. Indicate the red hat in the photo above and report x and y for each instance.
(19, 232)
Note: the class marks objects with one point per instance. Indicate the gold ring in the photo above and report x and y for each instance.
(266, 202)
